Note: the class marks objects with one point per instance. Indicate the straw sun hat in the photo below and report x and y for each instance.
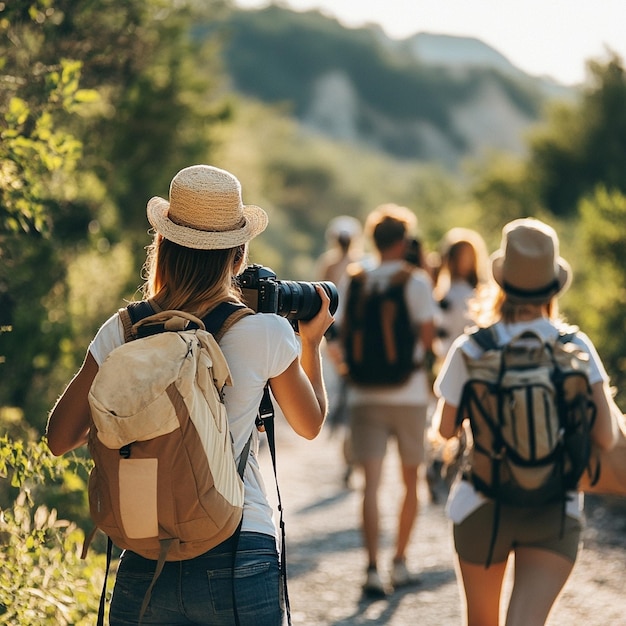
(205, 211)
(527, 265)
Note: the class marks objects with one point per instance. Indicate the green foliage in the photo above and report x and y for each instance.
(503, 191)
(583, 146)
(163, 113)
(33, 343)
(40, 94)
(101, 102)
(32, 151)
(27, 463)
(39, 154)
(601, 235)
(578, 148)
(42, 577)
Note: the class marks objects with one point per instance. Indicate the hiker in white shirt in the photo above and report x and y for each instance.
(529, 275)
(200, 245)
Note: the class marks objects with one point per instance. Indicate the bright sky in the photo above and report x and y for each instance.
(541, 37)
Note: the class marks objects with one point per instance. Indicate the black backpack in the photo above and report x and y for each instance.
(530, 410)
(377, 332)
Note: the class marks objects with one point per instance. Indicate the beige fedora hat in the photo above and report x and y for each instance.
(528, 266)
(205, 211)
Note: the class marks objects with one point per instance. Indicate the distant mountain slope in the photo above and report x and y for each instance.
(450, 50)
(430, 97)
(463, 52)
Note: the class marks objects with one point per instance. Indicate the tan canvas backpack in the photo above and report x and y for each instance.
(165, 482)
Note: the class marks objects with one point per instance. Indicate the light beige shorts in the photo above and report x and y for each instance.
(371, 426)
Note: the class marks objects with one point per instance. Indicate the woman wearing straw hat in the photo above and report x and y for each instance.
(200, 245)
(529, 275)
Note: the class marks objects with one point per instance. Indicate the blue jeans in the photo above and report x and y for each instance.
(199, 591)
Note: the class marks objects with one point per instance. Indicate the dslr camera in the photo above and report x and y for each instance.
(295, 300)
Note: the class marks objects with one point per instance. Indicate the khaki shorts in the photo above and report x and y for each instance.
(529, 527)
(371, 426)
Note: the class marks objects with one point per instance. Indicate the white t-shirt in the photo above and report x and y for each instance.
(421, 305)
(463, 498)
(453, 318)
(257, 348)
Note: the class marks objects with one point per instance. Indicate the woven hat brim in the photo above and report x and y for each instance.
(563, 279)
(256, 220)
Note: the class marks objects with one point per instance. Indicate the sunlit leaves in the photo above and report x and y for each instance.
(583, 146)
(604, 217)
(16, 115)
(599, 299)
(42, 578)
(35, 148)
(66, 91)
(26, 463)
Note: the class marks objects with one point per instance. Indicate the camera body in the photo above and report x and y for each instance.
(295, 300)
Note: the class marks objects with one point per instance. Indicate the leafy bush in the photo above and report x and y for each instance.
(43, 579)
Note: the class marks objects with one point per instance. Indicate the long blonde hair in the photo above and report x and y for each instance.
(191, 280)
(492, 304)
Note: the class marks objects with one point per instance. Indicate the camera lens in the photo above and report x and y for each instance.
(300, 301)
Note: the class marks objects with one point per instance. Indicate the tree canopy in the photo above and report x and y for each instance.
(99, 100)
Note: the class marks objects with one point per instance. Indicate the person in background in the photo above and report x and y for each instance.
(344, 240)
(530, 275)
(398, 412)
(200, 244)
(464, 269)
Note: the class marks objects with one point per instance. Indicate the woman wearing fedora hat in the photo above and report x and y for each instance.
(529, 275)
(199, 246)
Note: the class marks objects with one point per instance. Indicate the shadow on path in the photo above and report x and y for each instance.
(325, 502)
(303, 556)
(431, 580)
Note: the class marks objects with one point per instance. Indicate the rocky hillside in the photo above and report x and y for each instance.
(430, 97)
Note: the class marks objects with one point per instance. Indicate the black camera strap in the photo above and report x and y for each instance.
(265, 422)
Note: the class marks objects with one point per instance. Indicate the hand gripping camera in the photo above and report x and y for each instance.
(295, 300)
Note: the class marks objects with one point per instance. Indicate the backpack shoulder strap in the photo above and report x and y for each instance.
(223, 316)
(401, 277)
(217, 321)
(357, 278)
(132, 313)
(567, 334)
(354, 298)
(486, 338)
